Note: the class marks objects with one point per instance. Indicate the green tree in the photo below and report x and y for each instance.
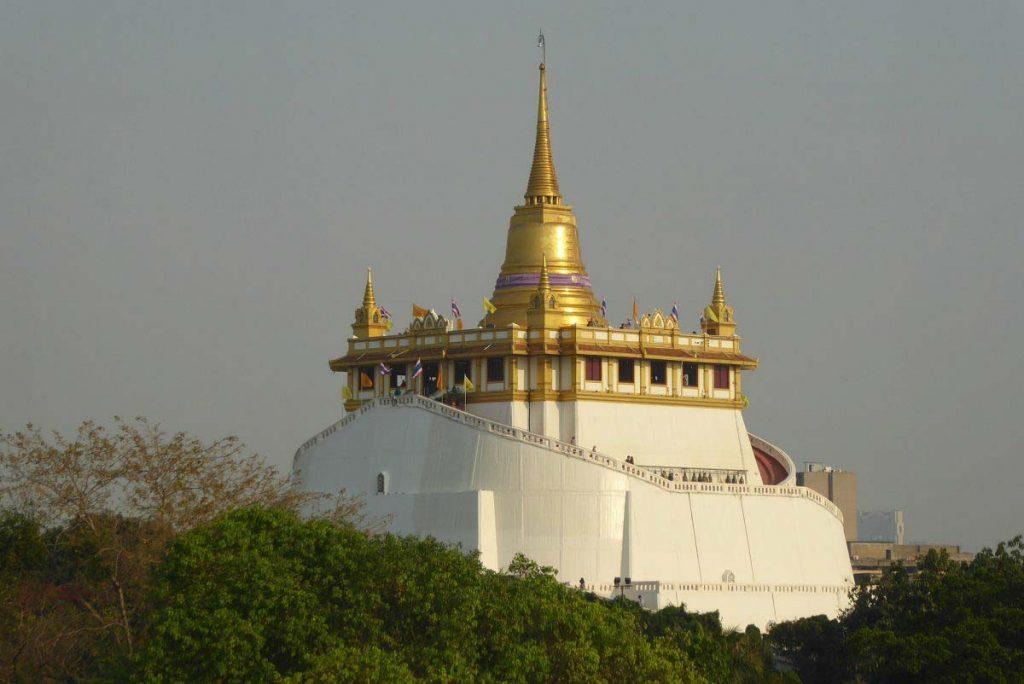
(261, 594)
(354, 665)
(432, 594)
(534, 629)
(816, 647)
(257, 595)
(103, 505)
(951, 622)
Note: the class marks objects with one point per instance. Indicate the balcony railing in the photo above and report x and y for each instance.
(719, 475)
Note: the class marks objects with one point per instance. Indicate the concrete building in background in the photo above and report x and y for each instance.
(870, 559)
(836, 485)
(606, 451)
(881, 526)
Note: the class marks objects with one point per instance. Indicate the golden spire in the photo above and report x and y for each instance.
(718, 316)
(545, 280)
(368, 299)
(370, 320)
(718, 298)
(542, 187)
(543, 227)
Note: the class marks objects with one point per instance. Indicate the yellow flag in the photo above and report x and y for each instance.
(636, 312)
(488, 306)
(467, 384)
(365, 381)
(419, 311)
(440, 376)
(346, 393)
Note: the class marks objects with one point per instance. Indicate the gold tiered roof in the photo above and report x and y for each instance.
(543, 225)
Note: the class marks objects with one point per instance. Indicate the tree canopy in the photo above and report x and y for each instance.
(86, 519)
(261, 594)
(950, 622)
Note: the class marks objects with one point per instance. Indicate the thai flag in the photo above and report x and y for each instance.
(455, 309)
(604, 309)
(384, 370)
(675, 313)
(417, 370)
(385, 313)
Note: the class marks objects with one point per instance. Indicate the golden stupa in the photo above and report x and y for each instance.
(543, 229)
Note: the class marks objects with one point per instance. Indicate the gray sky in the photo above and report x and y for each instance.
(189, 194)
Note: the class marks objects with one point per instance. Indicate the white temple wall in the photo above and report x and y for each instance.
(567, 422)
(691, 436)
(544, 418)
(504, 496)
(500, 411)
(566, 363)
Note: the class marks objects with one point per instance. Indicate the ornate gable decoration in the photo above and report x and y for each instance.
(537, 302)
(369, 314)
(432, 322)
(658, 320)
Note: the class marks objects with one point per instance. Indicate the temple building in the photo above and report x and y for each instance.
(616, 454)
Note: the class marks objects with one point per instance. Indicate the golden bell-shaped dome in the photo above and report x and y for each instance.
(543, 225)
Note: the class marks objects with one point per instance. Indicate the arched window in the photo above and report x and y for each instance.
(382, 483)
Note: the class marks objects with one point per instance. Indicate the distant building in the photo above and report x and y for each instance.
(839, 487)
(869, 559)
(881, 526)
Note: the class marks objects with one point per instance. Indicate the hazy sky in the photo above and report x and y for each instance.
(190, 193)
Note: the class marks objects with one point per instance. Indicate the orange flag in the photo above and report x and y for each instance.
(440, 375)
(636, 312)
(365, 381)
(419, 311)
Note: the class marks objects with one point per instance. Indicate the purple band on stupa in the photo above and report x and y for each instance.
(533, 279)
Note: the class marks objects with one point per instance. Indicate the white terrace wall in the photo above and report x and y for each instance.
(653, 434)
(782, 547)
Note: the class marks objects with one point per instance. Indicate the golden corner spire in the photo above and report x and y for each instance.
(370, 319)
(718, 298)
(542, 187)
(368, 298)
(718, 316)
(545, 280)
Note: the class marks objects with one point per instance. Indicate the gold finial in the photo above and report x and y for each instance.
(545, 280)
(542, 187)
(718, 298)
(368, 298)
